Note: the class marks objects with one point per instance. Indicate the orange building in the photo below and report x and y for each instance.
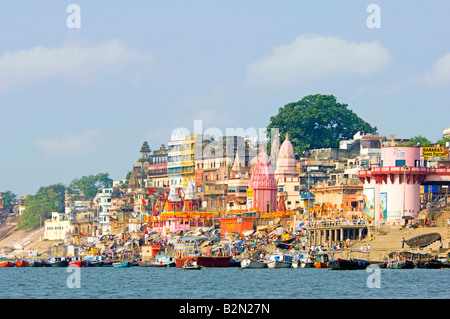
(237, 222)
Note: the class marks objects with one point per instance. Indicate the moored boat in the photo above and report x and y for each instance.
(321, 260)
(401, 264)
(279, 260)
(37, 263)
(401, 260)
(7, 264)
(235, 263)
(348, 264)
(188, 249)
(22, 263)
(160, 261)
(77, 261)
(58, 262)
(121, 264)
(95, 263)
(192, 265)
(254, 264)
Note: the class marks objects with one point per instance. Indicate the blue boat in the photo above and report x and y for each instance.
(122, 264)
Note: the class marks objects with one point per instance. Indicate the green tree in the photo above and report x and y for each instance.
(443, 141)
(89, 185)
(127, 180)
(39, 207)
(8, 199)
(417, 141)
(317, 121)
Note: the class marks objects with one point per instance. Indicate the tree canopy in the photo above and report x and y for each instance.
(317, 121)
(8, 199)
(39, 207)
(417, 141)
(89, 185)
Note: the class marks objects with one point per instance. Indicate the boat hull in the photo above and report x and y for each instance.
(278, 264)
(61, 263)
(253, 264)
(308, 264)
(80, 263)
(205, 261)
(95, 264)
(401, 265)
(319, 264)
(7, 264)
(22, 263)
(122, 264)
(35, 263)
(346, 264)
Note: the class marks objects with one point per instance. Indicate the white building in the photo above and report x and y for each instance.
(56, 227)
(103, 198)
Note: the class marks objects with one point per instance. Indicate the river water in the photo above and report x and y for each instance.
(222, 283)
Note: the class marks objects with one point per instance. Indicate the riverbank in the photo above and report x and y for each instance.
(382, 241)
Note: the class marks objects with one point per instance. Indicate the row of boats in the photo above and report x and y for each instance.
(396, 260)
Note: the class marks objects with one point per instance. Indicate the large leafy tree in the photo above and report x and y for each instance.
(8, 199)
(89, 185)
(39, 207)
(317, 121)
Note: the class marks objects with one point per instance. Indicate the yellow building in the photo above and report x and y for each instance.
(187, 158)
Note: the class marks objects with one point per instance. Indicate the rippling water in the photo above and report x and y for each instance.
(222, 283)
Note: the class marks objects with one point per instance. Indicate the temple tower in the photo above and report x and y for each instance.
(264, 185)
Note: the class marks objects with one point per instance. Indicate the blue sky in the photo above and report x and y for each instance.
(79, 101)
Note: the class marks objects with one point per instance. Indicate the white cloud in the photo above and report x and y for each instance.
(69, 145)
(313, 57)
(439, 73)
(74, 61)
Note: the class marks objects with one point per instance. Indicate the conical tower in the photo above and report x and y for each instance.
(264, 184)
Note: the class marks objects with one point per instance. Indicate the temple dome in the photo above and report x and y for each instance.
(286, 163)
(262, 175)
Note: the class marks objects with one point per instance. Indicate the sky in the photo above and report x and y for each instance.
(84, 83)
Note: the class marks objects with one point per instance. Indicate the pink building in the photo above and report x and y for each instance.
(392, 191)
(264, 185)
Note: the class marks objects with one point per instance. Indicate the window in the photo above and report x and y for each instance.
(296, 188)
(400, 162)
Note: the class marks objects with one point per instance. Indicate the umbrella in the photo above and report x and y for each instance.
(238, 243)
(407, 217)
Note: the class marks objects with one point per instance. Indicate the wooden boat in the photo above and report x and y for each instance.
(77, 261)
(401, 260)
(121, 264)
(235, 263)
(401, 264)
(38, 263)
(160, 261)
(7, 264)
(279, 260)
(95, 263)
(108, 263)
(302, 259)
(187, 249)
(254, 264)
(321, 260)
(22, 263)
(435, 264)
(191, 266)
(205, 261)
(58, 262)
(424, 240)
(347, 264)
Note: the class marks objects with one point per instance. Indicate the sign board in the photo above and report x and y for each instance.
(434, 151)
(250, 193)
